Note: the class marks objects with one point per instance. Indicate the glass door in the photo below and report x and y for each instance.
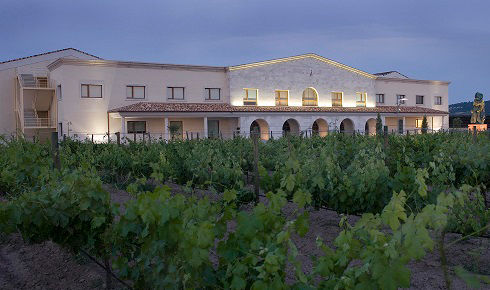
(213, 128)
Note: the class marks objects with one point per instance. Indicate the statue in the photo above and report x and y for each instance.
(478, 112)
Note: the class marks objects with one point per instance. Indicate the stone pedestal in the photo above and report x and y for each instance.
(477, 127)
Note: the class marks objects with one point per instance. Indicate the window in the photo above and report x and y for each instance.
(361, 99)
(250, 97)
(212, 94)
(310, 97)
(135, 92)
(419, 100)
(136, 126)
(336, 99)
(175, 93)
(400, 99)
(438, 100)
(91, 91)
(380, 98)
(418, 123)
(282, 97)
(58, 92)
(176, 129)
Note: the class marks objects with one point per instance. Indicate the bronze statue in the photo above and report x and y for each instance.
(478, 112)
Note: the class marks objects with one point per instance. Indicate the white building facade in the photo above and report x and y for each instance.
(82, 96)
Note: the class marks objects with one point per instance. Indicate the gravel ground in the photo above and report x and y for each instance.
(47, 266)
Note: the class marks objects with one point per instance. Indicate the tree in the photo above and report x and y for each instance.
(379, 125)
(457, 123)
(425, 125)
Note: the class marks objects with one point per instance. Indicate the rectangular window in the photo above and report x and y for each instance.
(336, 99)
(438, 100)
(176, 129)
(136, 126)
(361, 99)
(250, 97)
(419, 100)
(175, 93)
(380, 98)
(212, 94)
(282, 97)
(400, 99)
(91, 91)
(58, 92)
(418, 123)
(135, 92)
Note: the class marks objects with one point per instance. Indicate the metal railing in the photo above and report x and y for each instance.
(37, 122)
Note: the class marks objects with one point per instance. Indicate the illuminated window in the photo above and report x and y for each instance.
(250, 97)
(212, 94)
(336, 99)
(175, 93)
(91, 91)
(282, 97)
(361, 99)
(380, 98)
(438, 100)
(135, 92)
(419, 100)
(310, 97)
(418, 123)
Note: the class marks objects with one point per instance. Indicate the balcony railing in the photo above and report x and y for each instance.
(360, 103)
(38, 122)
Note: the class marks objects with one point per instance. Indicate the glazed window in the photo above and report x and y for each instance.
(175, 93)
(438, 100)
(282, 97)
(91, 91)
(136, 126)
(212, 94)
(250, 97)
(135, 92)
(310, 97)
(418, 123)
(336, 99)
(419, 100)
(380, 98)
(361, 99)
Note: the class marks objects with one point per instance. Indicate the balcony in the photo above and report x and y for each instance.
(32, 81)
(33, 122)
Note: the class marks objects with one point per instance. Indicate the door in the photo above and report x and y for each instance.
(176, 129)
(213, 128)
(400, 126)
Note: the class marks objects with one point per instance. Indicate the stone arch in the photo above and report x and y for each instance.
(290, 126)
(261, 127)
(310, 97)
(347, 126)
(370, 127)
(319, 128)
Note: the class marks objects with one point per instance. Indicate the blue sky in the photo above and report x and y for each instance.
(442, 40)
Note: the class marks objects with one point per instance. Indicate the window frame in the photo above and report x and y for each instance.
(378, 98)
(133, 131)
(172, 93)
(278, 100)
(132, 92)
(436, 98)
(207, 96)
(362, 102)
(398, 98)
(314, 101)
(417, 99)
(250, 102)
(418, 123)
(335, 104)
(88, 91)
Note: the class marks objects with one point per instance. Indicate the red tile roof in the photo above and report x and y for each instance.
(222, 107)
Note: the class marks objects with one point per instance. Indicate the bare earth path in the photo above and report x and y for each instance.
(47, 266)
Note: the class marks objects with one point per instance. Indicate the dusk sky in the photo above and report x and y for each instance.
(436, 40)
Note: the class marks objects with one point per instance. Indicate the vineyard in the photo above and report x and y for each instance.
(234, 214)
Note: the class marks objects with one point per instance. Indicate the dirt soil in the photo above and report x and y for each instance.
(47, 266)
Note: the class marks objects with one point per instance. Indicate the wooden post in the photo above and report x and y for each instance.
(55, 150)
(144, 138)
(149, 139)
(474, 134)
(92, 138)
(187, 135)
(118, 137)
(134, 137)
(197, 133)
(256, 166)
(64, 137)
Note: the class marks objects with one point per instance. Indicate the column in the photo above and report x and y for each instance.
(123, 126)
(404, 125)
(205, 130)
(165, 129)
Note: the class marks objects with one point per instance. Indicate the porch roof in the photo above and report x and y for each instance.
(154, 107)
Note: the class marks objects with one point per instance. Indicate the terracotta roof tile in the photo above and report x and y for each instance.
(222, 107)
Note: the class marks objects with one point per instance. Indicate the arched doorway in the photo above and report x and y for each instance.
(319, 128)
(370, 127)
(261, 128)
(310, 97)
(290, 126)
(347, 126)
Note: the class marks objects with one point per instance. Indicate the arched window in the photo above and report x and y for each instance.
(310, 97)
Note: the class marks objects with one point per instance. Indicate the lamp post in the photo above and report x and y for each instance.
(399, 101)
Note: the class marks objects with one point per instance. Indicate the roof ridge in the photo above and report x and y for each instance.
(49, 52)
